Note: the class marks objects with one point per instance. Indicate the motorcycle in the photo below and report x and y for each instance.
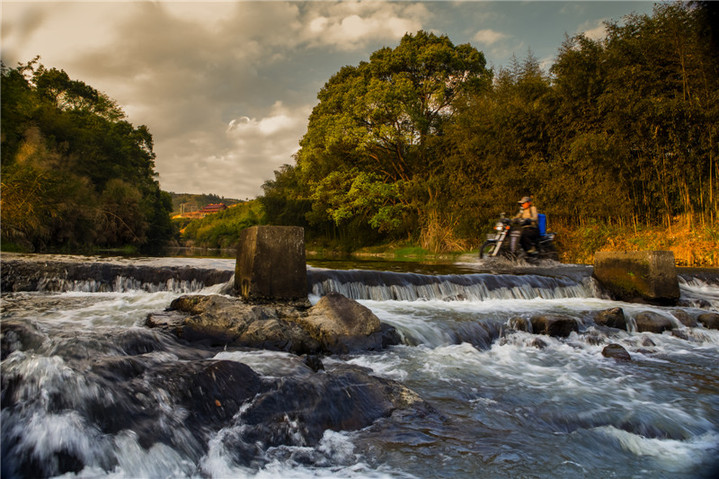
(504, 241)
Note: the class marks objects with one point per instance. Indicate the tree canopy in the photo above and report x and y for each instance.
(424, 141)
(75, 173)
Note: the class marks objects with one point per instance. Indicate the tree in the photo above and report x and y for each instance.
(75, 173)
(376, 125)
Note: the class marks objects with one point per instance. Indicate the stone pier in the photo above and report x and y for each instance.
(638, 276)
(271, 264)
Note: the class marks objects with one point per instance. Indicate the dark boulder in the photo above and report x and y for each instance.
(520, 324)
(345, 399)
(684, 318)
(554, 325)
(19, 336)
(638, 276)
(709, 320)
(613, 318)
(650, 322)
(617, 352)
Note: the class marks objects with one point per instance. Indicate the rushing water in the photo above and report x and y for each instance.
(508, 403)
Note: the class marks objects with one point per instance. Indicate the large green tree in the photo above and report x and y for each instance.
(370, 150)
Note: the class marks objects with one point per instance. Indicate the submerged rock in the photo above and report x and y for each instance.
(613, 318)
(650, 322)
(684, 318)
(554, 325)
(617, 352)
(709, 320)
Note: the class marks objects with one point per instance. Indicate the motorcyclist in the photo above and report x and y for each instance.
(528, 218)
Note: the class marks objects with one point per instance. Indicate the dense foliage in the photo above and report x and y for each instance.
(75, 173)
(423, 142)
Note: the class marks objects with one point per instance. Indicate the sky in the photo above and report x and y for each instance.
(226, 87)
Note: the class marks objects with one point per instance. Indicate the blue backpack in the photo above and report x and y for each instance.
(542, 224)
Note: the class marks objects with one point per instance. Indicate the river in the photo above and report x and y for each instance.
(507, 403)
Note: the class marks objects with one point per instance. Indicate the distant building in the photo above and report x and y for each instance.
(207, 210)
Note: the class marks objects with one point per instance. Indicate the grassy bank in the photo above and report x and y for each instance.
(692, 246)
(695, 246)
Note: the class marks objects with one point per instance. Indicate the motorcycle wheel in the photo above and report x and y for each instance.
(486, 249)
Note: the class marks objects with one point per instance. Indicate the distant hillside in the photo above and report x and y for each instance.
(190, 202)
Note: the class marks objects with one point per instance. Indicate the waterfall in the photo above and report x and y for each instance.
(385, 286)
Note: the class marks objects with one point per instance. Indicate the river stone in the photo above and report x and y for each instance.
(554, 325)
(638, 276)
(271, 264)
(709, 320)
(342, 325)
(18, 335)
(684, 318)
(520, 324)
(617, 352)
(650, 322)
(613, 318)
(224, 321)
(336, 325)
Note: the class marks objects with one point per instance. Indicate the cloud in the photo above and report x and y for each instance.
(488, 36)
(596, 33)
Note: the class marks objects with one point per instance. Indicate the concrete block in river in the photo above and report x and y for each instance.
(638, 276)
(271, 264)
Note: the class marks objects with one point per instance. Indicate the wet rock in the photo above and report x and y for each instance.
(342, 325)
(520, 324)
(298, 410)
(709, 320)
(616, 351)
(638, 276)
(684, 318)
(336, 325)
(314, 362)
(613, 318)
(650, 322)
(554, 325)
(19, 336)
(540, 343)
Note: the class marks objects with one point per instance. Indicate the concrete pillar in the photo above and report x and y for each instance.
(638, 276)
(271, 264)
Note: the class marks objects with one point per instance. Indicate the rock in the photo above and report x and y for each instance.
(520, 324)
(617, 352)
(644, 276)
(221, 321)
(18, 335)
(336, 325)
(684, 318)
(613, 318)
(649, 322)
(271, 264)
(709, 320)
(342, 325)
(345, 398)
(554, 325)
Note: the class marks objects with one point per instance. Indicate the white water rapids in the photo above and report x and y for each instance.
(509, 403)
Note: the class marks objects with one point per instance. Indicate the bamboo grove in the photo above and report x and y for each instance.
(424, 142)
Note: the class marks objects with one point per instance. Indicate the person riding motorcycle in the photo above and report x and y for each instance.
(528, 218)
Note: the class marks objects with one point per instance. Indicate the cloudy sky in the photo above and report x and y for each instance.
(226, 87)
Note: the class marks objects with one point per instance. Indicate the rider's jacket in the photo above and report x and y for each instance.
(529, 213)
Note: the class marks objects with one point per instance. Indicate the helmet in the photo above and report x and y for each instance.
(525, 199)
